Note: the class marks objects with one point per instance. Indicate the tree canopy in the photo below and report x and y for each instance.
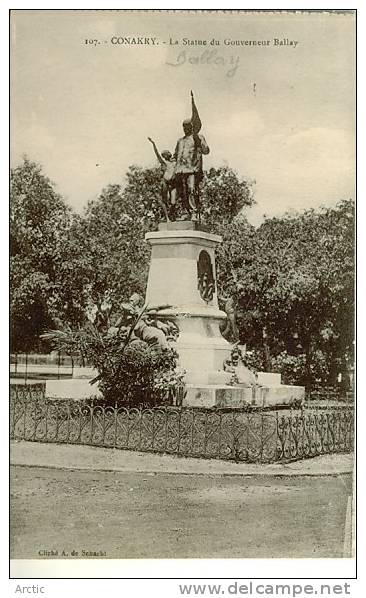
(39, 223)
(292, 277)
(110, 253)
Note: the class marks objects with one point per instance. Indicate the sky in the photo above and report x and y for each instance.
(280, 114)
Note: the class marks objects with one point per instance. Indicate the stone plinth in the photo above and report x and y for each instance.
(74, 388)
(268, 379)
(84, 372)
(211, 395)
(281, 395)
(215, 395)
(173, 280)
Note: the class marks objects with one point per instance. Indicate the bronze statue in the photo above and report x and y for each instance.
(182, 173)
(168, 182)
(189, 167)
(140, 322)
(230, 329)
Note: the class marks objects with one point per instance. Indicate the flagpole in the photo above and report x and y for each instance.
(195, 131)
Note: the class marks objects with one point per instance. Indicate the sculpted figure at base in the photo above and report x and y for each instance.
(229, 329)
(235, 365)
(141, 323)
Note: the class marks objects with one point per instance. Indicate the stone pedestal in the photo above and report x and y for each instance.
(183, 254)
(236, 397)
(181, 251)
(177, 249)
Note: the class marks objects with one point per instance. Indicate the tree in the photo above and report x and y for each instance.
(39, 221)
(293, 279)
(113, 255)
(223, 196)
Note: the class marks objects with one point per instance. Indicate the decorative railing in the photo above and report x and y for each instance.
(35, 366)
(249, 436)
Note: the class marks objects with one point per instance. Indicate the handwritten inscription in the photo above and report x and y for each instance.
(208, 57)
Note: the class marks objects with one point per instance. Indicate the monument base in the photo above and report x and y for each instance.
(221, 397)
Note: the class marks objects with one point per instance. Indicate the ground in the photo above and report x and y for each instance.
(159, 515)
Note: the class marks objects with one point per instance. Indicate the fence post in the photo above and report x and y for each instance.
(115, 423)
(140, 427)
(68, 420)
(179, 429)
(153, 429)
(91, 421)
(205, 436)
(25, 419)
(220, 434)
(193, 413)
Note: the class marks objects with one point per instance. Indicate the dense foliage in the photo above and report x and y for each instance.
(39, 224)
(133, 368)
(292, 277)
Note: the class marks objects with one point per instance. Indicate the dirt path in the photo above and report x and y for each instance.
(141, 515)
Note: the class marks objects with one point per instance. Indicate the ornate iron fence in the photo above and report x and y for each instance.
(30, 366)
(254, 437)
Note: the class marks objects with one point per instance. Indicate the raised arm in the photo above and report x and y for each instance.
(161, 160)
(201, 142)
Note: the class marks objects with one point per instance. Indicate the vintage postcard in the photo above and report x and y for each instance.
(182, 292)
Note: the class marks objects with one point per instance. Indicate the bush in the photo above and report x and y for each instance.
(135, 376)
(136, 365)
(291, 367)
(296, 370)
(254, 360)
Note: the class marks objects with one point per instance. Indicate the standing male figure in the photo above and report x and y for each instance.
(188, 155)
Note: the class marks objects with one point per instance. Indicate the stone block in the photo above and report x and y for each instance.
(223, 396)
(219, 377)
(182, 225)
(74, 388)
(217, 395)
(267, 396)
(268, 379)
(200, 396)
(234, 397)
(84, 372)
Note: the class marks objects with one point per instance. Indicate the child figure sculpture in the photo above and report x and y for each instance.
(168, 187)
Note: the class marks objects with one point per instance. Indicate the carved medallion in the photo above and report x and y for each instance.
(206, 281)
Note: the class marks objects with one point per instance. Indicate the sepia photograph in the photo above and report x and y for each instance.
(182, 285)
